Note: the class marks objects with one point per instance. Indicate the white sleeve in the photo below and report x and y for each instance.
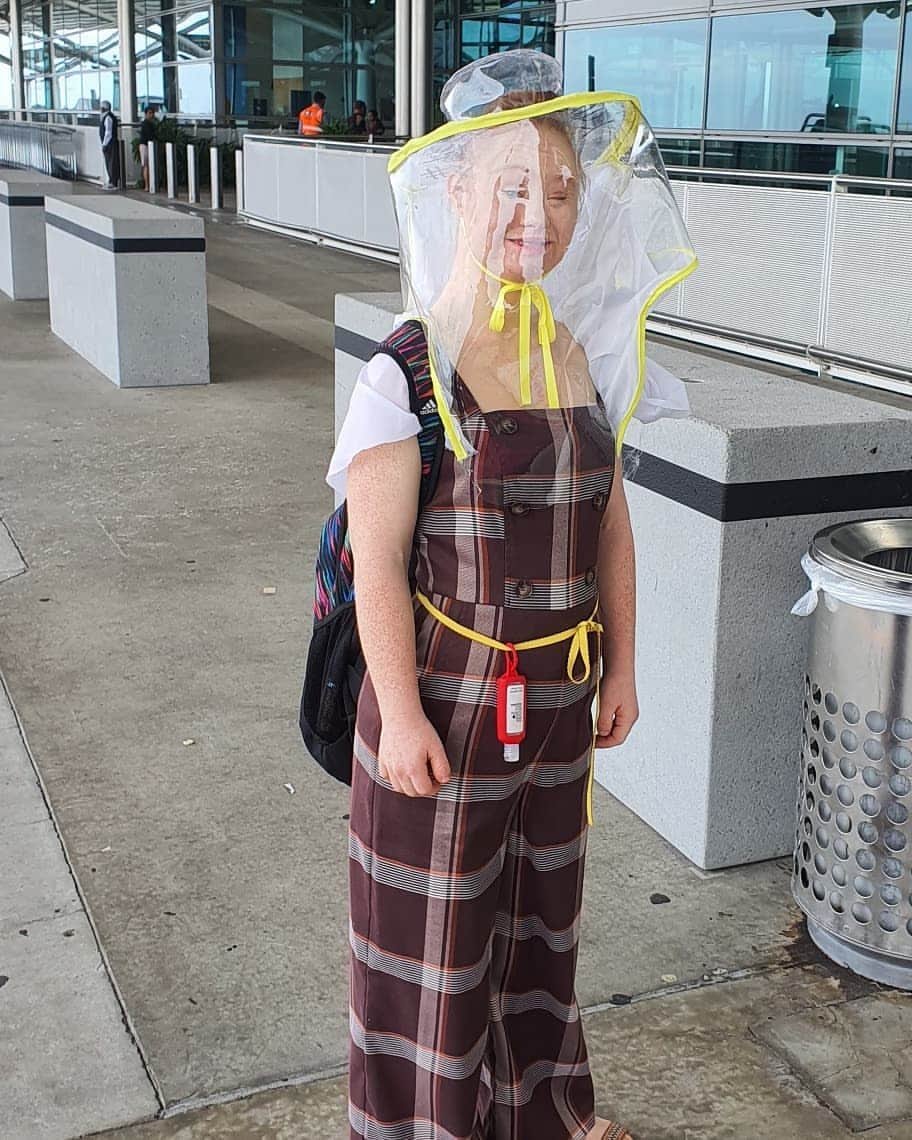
(109, 131)
(379, 412)
(663, 395)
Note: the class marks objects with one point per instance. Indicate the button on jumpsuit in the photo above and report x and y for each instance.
(465, 907)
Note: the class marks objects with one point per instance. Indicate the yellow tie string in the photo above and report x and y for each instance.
(577, 635)
(530, 293)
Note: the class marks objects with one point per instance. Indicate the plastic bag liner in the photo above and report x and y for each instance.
(839, 588)
(536, 232)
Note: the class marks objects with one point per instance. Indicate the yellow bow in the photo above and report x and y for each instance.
(530, 293)
(579, 651)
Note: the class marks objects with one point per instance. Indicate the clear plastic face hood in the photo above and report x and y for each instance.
(536, 230)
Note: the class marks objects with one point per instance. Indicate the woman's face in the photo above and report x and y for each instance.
(520, 199)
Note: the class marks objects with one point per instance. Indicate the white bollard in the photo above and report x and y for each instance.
(170, 170)
(153, 173)
(193, 188)
(239, 179)
(215, 176)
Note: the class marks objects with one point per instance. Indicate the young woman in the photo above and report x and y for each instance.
(495, 614)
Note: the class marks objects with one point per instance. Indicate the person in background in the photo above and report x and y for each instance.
(357, 119)
(374, 125)
(147, 130)
(110, 144)
(310, 120)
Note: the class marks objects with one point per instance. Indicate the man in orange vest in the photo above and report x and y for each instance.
(310, 120)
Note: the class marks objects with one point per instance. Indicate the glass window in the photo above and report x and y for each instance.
(70, 53)
(680, 152)
(192, 88)
(6, 70)
(287, 36)
(36, 58)
(287, 87)
(798, 158)
(902, 165)
(663, 64)
(234, 21)
(471, 6)
(278, 54)
(100, 85)
(194, 34)
(505, 30)
(486, 36)
(108, 37)
(149, 86)
(39, 95)
(820, 69)
(905, 83)
(69, 92)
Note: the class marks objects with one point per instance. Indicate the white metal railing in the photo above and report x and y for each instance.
(332, 190)
(813, 271)
(38, 146)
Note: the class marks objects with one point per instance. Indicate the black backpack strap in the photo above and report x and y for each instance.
(408, 346)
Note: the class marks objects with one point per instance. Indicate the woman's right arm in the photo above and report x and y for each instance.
(383, 487)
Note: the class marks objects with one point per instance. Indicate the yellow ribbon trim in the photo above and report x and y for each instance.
(530, 293)
(625, 136)
(577, 635)
(659, 291)
(511, 115)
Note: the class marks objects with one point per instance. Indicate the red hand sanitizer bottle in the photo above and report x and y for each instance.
(511, 707)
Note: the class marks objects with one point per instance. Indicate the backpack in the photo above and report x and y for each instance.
(335, 664)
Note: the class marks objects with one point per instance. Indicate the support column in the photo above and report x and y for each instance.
(403, 66)
(127, 31)
(16, 56)
(422, 15)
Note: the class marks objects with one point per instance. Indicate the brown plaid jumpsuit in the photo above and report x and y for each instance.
(465, 907)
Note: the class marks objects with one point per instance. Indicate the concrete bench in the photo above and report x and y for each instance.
(723, 505)
(127, 289)
(23, 255)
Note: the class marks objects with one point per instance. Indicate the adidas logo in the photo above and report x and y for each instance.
(428, 407)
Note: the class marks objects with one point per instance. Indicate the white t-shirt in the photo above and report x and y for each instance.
(379, 411)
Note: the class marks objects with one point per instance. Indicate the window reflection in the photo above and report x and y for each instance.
(820, 69)
(508, 28)
(6, 69)
(663, 64)
(468, 7)
(680, 152)
(905, 83)
(799, 158)
(902, 165)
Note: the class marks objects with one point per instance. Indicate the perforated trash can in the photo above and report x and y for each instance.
(852, 873)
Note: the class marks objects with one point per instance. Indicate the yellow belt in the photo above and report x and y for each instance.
(577, 635)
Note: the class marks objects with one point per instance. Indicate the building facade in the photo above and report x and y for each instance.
(749, 84)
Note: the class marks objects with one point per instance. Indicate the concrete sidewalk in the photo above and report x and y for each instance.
(157, 683)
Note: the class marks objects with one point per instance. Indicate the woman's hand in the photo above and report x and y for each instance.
(412, 756)
(618, 709)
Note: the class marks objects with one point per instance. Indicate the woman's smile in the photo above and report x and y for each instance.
(530, 244)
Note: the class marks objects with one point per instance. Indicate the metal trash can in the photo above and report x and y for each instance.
(852, 873)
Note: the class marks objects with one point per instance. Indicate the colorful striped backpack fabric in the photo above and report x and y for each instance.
(335, 663)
